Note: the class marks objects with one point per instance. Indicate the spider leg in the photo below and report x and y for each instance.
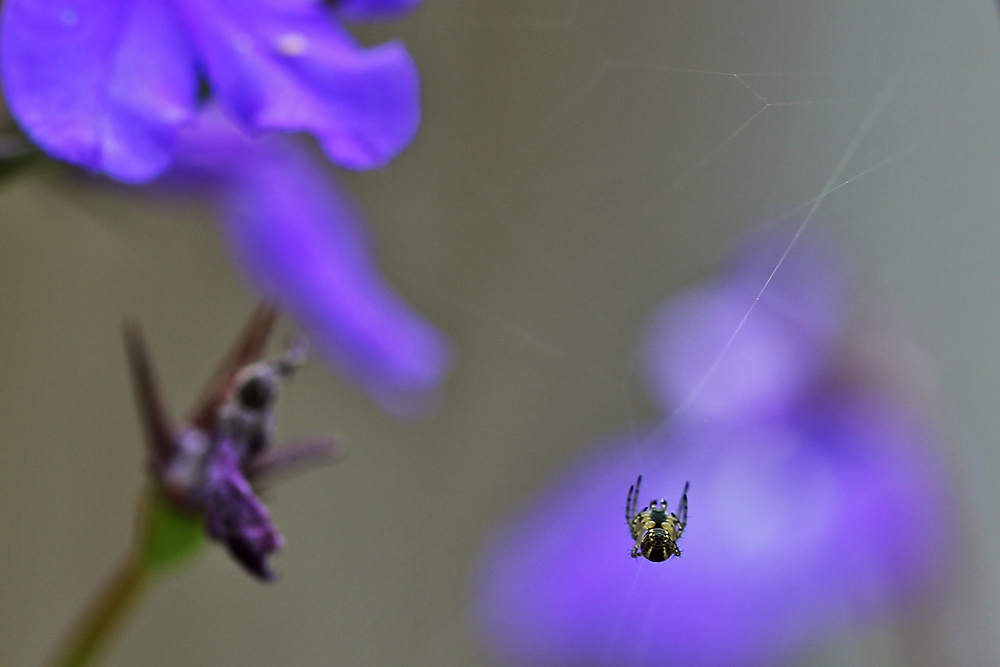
(635, 498)
(683, 509)
(628, 506)
(632, 501)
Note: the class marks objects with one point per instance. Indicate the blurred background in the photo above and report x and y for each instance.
(579, 161)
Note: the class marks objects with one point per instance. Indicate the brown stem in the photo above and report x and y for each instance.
(88, 639)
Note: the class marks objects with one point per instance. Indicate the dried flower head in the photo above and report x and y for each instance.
(213, 464)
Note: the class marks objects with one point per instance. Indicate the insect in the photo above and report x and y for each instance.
(654, 529)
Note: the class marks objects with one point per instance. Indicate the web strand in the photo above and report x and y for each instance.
(869, 121)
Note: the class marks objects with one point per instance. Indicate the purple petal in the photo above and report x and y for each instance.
(235, 516)
(789, 527)
(298, 239)
(729, 349)
(374, 10)
(213, 149)
(688, 365)
(288, 66)
(104, 84)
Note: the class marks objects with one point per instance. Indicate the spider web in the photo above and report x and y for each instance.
(579, 163)
(619, 151)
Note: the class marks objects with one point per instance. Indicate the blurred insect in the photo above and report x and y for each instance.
(654, 529)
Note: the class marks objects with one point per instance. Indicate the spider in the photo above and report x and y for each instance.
(654, 529)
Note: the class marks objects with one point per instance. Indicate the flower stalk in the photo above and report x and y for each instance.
(164, 538)
(105, 616)
(204, 477)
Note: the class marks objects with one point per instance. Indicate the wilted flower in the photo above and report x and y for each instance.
(814, 498)
(211, 465)
(108, 84)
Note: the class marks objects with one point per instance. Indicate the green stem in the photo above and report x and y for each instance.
(105, 615)
(165, 538)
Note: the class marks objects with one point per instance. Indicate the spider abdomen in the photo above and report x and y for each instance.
(658, 545)
(654, 529)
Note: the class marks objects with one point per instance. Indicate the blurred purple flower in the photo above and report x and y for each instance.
(782, 348)
(112, 85)
(297, 238)
(369, 10)
(815, 500)
(108, 84)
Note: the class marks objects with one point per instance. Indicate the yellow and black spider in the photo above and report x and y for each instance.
(654, 529)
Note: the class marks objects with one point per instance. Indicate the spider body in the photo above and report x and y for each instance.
(654, 529)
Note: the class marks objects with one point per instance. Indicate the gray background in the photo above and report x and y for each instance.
(578, 162)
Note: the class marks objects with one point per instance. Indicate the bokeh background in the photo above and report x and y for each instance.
(579, 161)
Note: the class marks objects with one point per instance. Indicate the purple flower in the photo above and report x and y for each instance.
(297, 238)
(366, 10)
(781, 348)
(814, 500)
(109, 84)
(113, 85)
